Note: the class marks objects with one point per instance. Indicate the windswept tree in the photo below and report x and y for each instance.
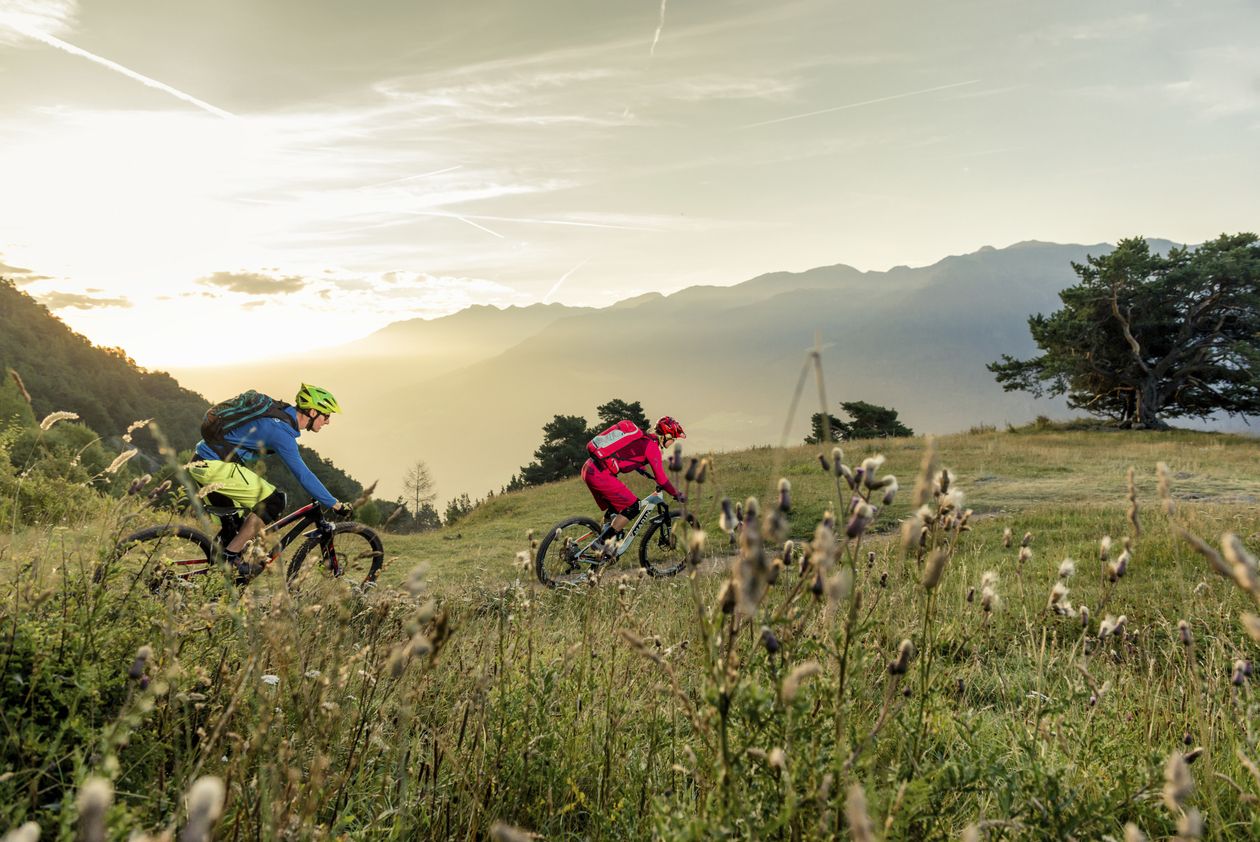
(1142, 338)
(561, 453)
(618, 410)
(869, 421)
(823, 428)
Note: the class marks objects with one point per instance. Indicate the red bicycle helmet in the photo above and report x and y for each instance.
(669, 427)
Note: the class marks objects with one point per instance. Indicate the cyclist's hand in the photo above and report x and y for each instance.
(680, 497)
(343, 510)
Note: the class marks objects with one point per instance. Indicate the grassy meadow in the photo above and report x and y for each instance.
(927, 669)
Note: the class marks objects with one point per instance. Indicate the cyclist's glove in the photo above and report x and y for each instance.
(344, 511)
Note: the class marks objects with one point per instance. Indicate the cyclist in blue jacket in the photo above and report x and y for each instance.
(236, 485)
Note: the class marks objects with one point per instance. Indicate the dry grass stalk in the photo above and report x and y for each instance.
(55, 417)
(860, 826)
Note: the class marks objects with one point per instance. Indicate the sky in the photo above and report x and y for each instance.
(220, 182)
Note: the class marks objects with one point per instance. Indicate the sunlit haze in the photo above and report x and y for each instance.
(218, 182)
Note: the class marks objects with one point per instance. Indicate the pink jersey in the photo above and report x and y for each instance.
(645, 452)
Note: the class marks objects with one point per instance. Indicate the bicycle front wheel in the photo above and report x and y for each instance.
(160, 555)
(664, 550)
(351, 551)
(563, 557)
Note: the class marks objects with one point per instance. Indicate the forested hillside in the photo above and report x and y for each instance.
(62, 371)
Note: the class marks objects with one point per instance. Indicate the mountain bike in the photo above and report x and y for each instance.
(174, 553)
(566, 557)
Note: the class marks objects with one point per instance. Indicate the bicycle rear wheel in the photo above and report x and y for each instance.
(664, 549)
(563, 557)
(161, 555)
(352, 551)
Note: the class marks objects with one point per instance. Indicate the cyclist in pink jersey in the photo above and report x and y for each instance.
(612, 495)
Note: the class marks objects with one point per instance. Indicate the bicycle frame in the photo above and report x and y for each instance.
(649, 507)
(311, 514)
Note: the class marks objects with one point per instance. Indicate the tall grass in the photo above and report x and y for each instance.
(847, 655)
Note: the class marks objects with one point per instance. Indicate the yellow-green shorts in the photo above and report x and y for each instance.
(234, 481)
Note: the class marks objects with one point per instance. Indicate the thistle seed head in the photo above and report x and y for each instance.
(138, 484)
(503, 832)
(899, 664)
(703, 473)
(1104, 548)
(143, 654)
(934, 568)
(1025, 555)
(890, 489)
(205, 804)
(692, 465)
(785, 495)
(769, 640)
(695, 547)
(1067, 567)
(792, 684)
(1026, 540)
(1239, 676)
(869, 468)
(1194, 754)
(777, 759)
(93, 801)
(860, 827)
(1133, 834)
(1190, 825)
(1007, 537)
(1178, 783)
(1252, 624)
(863, 516)
(822, 460)
(28, 832)
(837, 459)
(1183, 632)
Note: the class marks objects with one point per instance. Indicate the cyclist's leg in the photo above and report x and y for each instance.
(611, 493)
(247, 491)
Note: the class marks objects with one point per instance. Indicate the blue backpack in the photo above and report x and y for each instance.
(227, 415)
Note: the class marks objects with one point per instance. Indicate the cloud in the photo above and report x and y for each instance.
(52, 17)
(79, 301)
(38, 21)
(24, 276)
(254, 283)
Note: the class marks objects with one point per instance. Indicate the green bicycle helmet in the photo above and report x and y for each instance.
(313, 397)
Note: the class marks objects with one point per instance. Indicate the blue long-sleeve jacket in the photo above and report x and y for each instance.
(271, 435)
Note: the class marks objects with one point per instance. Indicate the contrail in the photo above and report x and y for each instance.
(546, 298)
(860, 104)
(53, 41)
(657, 37)
(412, 177)
(473, 224)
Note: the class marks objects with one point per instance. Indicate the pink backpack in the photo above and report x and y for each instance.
(605, 445)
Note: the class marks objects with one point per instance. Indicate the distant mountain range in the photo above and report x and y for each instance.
(469, 393)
